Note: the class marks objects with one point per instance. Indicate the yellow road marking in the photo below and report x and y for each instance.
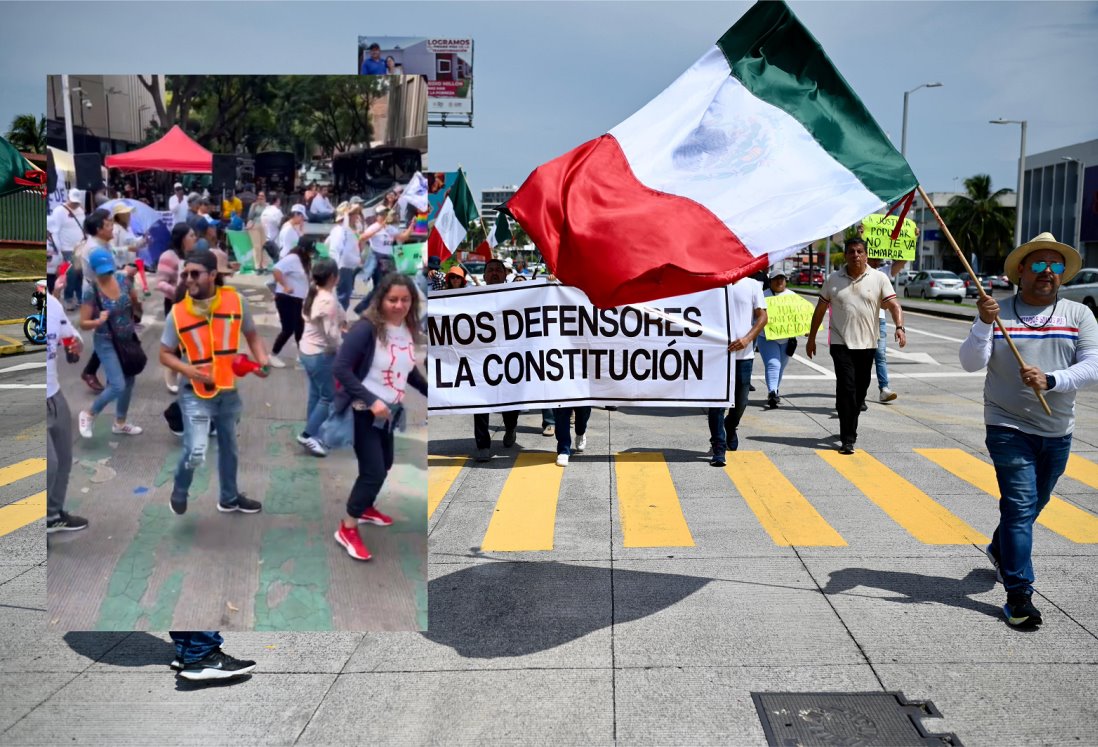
(1060, 516)
(651, 515)
(784, 513)
(441, 473)
(25, 468)
(1082, 470)
(526, 512)
(921, 516)
(17, 515)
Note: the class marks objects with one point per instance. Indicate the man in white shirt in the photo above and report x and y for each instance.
(320, 209)
(271, 221)
(748, 309)
(292, 230)
(58, 422)
(65, 228)
(177, 204)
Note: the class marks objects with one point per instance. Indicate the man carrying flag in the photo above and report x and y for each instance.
(756, 151)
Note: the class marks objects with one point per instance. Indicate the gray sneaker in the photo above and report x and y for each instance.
(887, 395)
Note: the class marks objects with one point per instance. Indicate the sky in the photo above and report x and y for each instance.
(550, 76)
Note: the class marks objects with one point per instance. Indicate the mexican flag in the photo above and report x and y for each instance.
(17, 173)
(753, 153)
(452, 223)
(501, 232)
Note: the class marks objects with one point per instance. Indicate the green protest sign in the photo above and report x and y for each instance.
(787, 315)
(878, 237)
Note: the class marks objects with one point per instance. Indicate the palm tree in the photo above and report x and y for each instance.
(27, 133)
(978, 221)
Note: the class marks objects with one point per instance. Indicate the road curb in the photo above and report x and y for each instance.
(909, 305)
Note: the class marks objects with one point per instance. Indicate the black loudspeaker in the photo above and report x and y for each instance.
(89, 170)
(224, 173)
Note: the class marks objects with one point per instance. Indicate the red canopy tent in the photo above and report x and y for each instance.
(173, 152)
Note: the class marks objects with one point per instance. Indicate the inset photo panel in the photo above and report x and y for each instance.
(445, 65)
(236, 400)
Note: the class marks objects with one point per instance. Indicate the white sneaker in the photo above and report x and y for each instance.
(276, 362)
(581, 442)
(887, 395)
(315, 447)
(85, 422)
(562, 460)
(126, 429)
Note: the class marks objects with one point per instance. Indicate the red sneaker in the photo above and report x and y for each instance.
(352, 543)
(373, 516)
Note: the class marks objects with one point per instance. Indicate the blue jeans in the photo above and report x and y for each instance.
(224, 411)
(346, 285)
(563, 417)
(722, 430)
(194, 645)
(321, 390)
(1027, 468)
(74, 280)
(879, 359)
(774, 361)
(547, 418)
(119, 387)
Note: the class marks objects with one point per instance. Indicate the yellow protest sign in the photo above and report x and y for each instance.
(878, 237)
(787, 315)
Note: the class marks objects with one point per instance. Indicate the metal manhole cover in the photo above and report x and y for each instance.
(846, 720)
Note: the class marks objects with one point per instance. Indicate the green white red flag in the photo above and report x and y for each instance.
(756, 151)
(500, 233)
(452, 224)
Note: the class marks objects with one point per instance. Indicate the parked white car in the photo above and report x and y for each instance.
(1083, 288)
(936, 284)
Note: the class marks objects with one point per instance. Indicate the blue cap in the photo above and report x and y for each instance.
(201, 245)
(101, 261)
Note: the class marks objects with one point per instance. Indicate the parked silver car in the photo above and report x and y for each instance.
(1083, 288)
(936, 284)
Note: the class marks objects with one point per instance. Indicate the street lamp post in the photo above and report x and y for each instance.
(107, 93)
(1078, 203)
(903, 152)
(1021, 177)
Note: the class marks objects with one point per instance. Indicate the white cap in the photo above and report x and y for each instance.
(76, 195)
(178, 185)
(299, 209)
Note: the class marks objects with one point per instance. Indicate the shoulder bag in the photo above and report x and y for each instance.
(131, 356)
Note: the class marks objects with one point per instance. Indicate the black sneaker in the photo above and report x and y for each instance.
(864, 407)
(772, 400)
(717, 460)
(847, 448)
(178, 504)
(243, 504)
(509, 438)
(995, 562)
(217, 665)
(177, 664)
(1020, 612)
(66, 523)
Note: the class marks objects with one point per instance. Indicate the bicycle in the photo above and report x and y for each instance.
(34, 326)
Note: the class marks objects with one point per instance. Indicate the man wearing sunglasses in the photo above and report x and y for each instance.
(207, 326)
(1058, 339)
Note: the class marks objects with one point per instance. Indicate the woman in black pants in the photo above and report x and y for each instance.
(291, 277)
(373, 387)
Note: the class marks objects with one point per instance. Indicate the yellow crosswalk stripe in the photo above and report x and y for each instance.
(924, 518)
(1060, 516)
(1082, 470)
(784, 513)
(25, 468)
(651, 515)
(17, 515)
(526, 512)
(441, 473)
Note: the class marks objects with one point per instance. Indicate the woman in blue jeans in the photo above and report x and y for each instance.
(323, 333)
(562, 417)
(110, 307)
(774, 352)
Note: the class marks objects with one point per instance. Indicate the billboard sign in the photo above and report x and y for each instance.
(445, 63)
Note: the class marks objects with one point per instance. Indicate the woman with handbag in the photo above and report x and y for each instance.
(111, 307)
(374, 365)
(775, 353)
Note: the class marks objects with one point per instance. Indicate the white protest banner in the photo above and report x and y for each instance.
(529, 345)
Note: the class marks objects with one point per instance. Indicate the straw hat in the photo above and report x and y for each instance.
(1072, 260)
(122, 208)
(342, 209)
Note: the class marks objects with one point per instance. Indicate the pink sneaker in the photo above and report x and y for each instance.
(352, 543)
(373, 516)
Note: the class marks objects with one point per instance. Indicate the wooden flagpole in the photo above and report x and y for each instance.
(980, 289)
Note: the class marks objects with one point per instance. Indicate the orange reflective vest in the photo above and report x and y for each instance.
(211, 341)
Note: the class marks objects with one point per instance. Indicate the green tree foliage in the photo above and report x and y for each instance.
(28, 133)
(977, 220)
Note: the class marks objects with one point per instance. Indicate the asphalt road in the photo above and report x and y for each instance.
(640, 596)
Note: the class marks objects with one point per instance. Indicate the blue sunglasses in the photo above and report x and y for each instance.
(1039, 267)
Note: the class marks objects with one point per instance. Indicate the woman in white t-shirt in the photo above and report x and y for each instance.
(323, 332)
(374, 366)
(125, 244)
(291, 277)
(775, 353)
